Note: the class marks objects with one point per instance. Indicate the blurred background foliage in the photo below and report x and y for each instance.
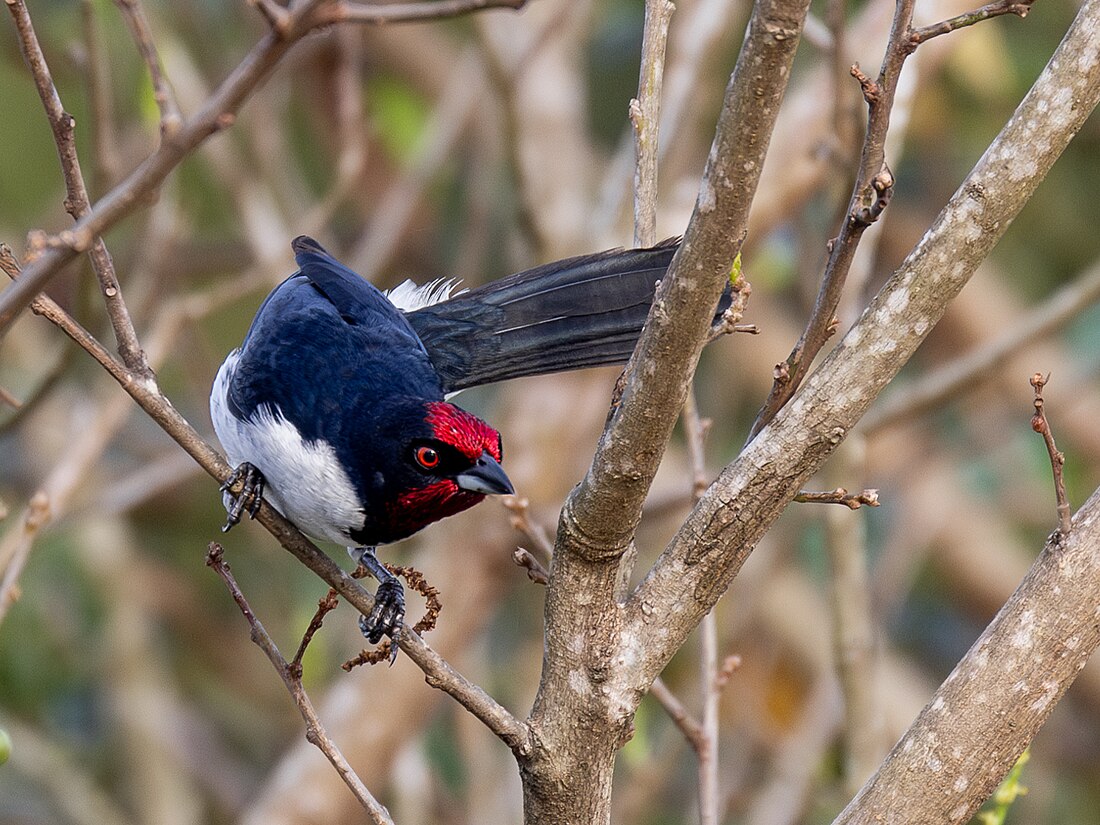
(474, 148)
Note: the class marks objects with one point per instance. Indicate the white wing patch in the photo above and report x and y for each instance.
(305, 481)
(409, 297)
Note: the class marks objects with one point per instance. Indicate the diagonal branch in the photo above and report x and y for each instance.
(958, 749)
(291, 674)
(705, 555)
(598, 521)
(600, 516)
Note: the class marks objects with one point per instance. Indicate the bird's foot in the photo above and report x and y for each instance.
(250, 497)
(388, 615)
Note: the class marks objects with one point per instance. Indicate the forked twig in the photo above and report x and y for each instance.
(1020, 8)
(291, 674)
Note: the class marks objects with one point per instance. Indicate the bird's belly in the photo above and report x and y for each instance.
(304, 480)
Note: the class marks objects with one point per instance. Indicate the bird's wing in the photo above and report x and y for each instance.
(325, 344)
(580, 312)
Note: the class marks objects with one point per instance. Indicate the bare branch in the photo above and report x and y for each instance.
(346, 12)
(853, 501)
(77, 204)
(291, 674)
(1020, 8)
(521, 520)
(535, 571)
(1040, 424)
(134, 15)
(870, 195)
(686, 580)
(645, 116)
(218, 112)
(688, 725)
(958, 750)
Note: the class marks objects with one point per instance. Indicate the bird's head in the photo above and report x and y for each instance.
(438, 460)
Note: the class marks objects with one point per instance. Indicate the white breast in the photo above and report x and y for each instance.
(305, 481)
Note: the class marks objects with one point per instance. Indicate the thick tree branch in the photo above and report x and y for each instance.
(571, 719)
(960, 747)
(705, 555)
(601, 514)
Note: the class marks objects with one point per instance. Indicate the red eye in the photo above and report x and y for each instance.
(427, 458)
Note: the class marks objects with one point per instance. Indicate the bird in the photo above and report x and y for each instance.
(336, 408)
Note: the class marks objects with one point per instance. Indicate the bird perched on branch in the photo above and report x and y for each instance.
(334, 408)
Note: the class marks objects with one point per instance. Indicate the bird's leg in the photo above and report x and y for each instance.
(389, 601)
(250, 497)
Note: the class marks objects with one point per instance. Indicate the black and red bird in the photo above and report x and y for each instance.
(334, 408)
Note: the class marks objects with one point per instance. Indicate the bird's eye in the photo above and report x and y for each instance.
(427, 458)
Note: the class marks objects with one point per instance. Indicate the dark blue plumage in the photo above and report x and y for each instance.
(333, 408)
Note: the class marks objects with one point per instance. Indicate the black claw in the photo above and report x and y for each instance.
(388, 615)
(250, 497)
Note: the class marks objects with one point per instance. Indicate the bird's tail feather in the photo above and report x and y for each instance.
(580, 312)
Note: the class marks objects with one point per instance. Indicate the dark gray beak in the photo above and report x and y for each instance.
(486, 477)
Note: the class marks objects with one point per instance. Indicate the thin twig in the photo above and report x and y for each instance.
(1020, 8)
(870, 196)
(405, 12)
(292, 678)
(853, 501)
(134, 15)
(535, 571)
(520, 508)
(77, 204)
(645, 116)
(325, 605)
(1040, 424)
(689, 725)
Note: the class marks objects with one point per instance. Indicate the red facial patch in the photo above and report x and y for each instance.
(419, 508)
(466, 433)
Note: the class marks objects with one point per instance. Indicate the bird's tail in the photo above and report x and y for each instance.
(580, 312)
